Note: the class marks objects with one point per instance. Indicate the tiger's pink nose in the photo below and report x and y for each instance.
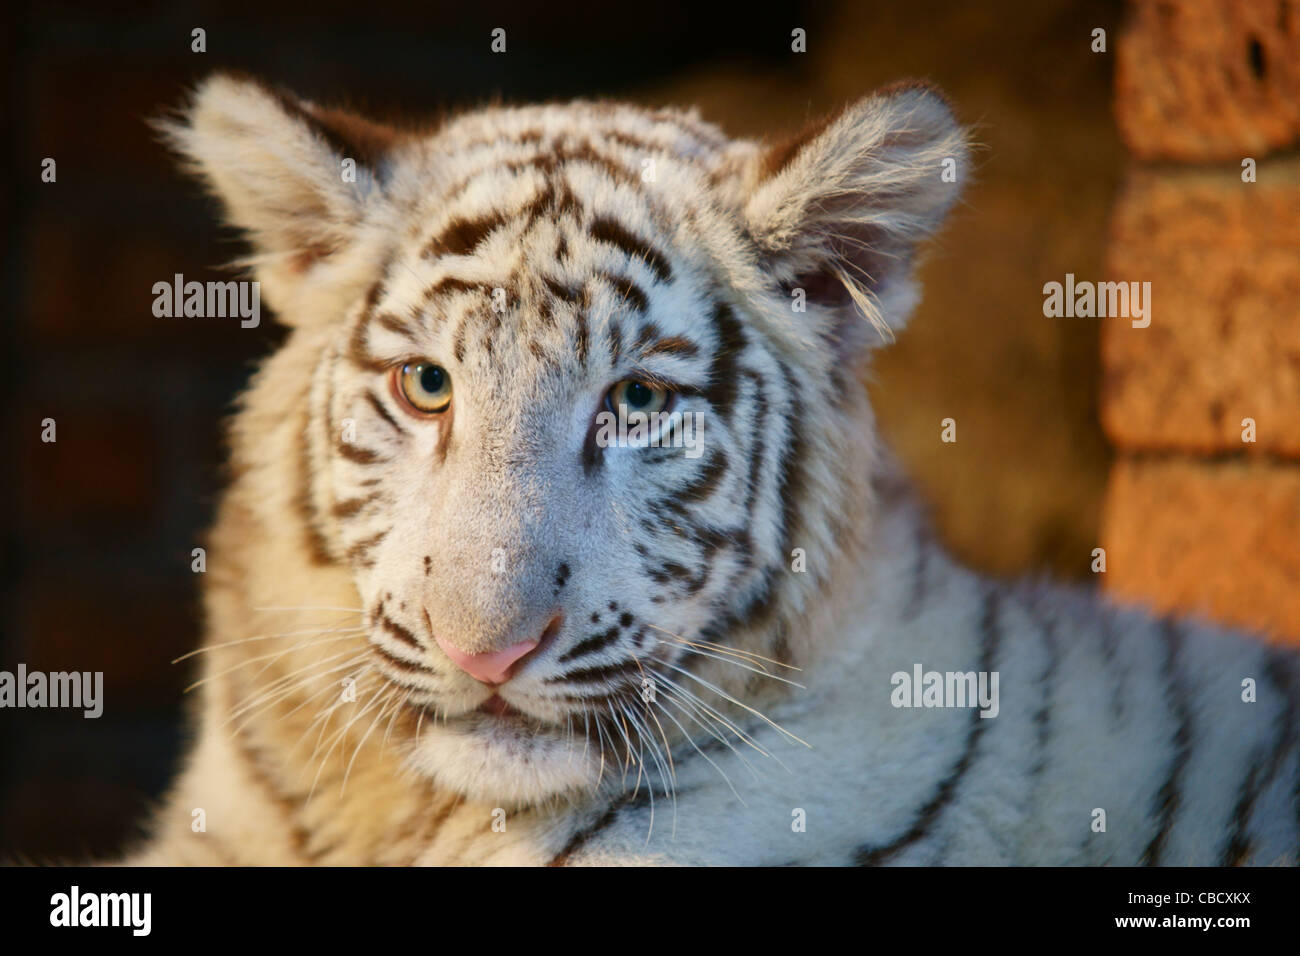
(491, 668)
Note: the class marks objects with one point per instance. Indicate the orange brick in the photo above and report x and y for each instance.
(1219, 539)
(1223, 260)
(1208, 79)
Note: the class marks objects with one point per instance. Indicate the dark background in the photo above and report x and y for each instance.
(96, 551)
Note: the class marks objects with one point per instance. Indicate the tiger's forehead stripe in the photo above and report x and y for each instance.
(610, 230)
(465, 233)
(542, 288)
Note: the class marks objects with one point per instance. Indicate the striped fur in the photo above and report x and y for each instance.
(541, 254)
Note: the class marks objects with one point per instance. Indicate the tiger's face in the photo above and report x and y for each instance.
(524, 567)
(578, 380)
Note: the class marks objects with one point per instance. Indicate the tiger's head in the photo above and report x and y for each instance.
(586, 426)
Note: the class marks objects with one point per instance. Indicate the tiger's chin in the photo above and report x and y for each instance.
(506, 761)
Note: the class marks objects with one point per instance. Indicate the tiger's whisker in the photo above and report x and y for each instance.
(260, 637)
(723, 694)
(756, 670)
(722, 648)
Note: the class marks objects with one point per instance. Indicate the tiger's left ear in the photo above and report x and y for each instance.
(839, 210)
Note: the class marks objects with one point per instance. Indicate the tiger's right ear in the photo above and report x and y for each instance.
(300, 180)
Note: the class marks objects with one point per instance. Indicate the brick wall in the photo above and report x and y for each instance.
(1196, 518)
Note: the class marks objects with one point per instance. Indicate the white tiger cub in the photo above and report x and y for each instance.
(452, 619)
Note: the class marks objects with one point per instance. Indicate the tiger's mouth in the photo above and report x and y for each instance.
(493, 714)
(495, 706)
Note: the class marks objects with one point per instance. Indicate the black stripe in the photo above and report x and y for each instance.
(1169, 796)
(606, 229)
(393, 324)
(582, 837)
(702, 487)
(758, 448)
(628, 292)
(382, 412)
(1262, 771)
(920, 565)
(351, 506)
(595, 674)
(358, 353)
(359, 553)
(304, 502)
(458, 346)
(1118, 673)
(591, 645)
(990, 638)
(672, 345)
(450, 285)
(580, 347)
(362, 456)
(593, 455)
(461, 237)
(646, 334)
(781, 652)
(722, 388)
(565, 293)
(410, 667)
(793, 471)
(1047, 689)
(635, 143)
(555, 200)
(548, 163)
(399, 632)
(615, 342)
(494, 325)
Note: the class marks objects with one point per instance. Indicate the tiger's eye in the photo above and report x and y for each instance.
(638, 395)
(426, 386)
(634, 395)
